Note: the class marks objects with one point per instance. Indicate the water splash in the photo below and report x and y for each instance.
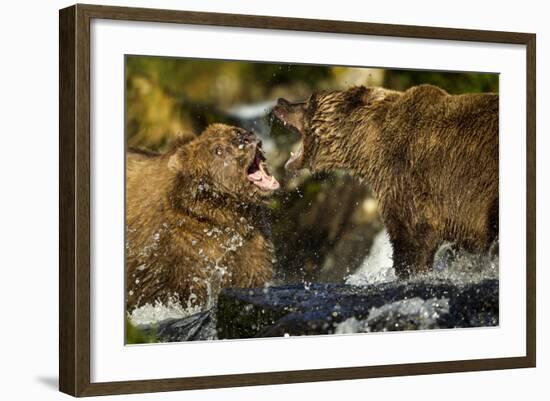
(377, 266)
(450, 263)
(153, 313)
(414, 313)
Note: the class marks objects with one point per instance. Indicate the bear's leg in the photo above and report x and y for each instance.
(413, 254)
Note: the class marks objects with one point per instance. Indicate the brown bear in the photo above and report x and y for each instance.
(195, 220)
(430, 157)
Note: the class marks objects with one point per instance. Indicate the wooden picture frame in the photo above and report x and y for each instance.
(74, 202)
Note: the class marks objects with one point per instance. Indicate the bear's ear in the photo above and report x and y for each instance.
(177, 160)
(356, 97)
(183, 138)
(375, 95)
(178, 151)
(174, 163)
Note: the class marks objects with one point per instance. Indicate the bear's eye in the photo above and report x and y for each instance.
(218, 151)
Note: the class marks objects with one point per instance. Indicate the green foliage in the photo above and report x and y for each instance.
(454, 83)
(272, 75)
(179, 74)
(135, 335)
(170, 72)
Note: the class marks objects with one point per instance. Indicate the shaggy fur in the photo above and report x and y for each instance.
(195, 223)
(431, 158)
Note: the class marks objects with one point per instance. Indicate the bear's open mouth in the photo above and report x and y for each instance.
(291, 116)
(259, 175)
(296, 158)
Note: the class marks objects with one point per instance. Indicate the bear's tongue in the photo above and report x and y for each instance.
(263, 180)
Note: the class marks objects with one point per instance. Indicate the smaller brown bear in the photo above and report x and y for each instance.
(431, 158)
(195, 218)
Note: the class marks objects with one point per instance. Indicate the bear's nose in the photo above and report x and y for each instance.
(249, 138)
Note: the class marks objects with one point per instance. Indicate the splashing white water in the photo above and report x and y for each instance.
(457, 266)
(213, 282)
(377, 266)
(422, 314)
(150, 314)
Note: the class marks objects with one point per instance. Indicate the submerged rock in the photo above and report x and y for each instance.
(407, 314)
(200, 326)
(340, 308)
(313, 309)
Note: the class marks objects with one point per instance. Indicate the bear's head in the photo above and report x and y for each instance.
(325, 122)
(222, 163)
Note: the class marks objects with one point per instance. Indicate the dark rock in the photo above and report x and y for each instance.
(319, 308)
(200, 326)
(329, 308)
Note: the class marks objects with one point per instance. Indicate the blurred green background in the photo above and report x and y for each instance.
(323, 225)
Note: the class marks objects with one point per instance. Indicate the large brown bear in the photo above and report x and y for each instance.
(195, 220)
(431, 158)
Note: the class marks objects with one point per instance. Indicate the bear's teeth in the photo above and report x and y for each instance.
(291, 153)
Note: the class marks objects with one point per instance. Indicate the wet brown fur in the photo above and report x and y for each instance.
(195, 224)
(431, 158)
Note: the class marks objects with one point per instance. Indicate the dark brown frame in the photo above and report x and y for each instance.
(74, 199)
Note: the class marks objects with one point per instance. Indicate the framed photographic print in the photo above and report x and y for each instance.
(250, 200)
